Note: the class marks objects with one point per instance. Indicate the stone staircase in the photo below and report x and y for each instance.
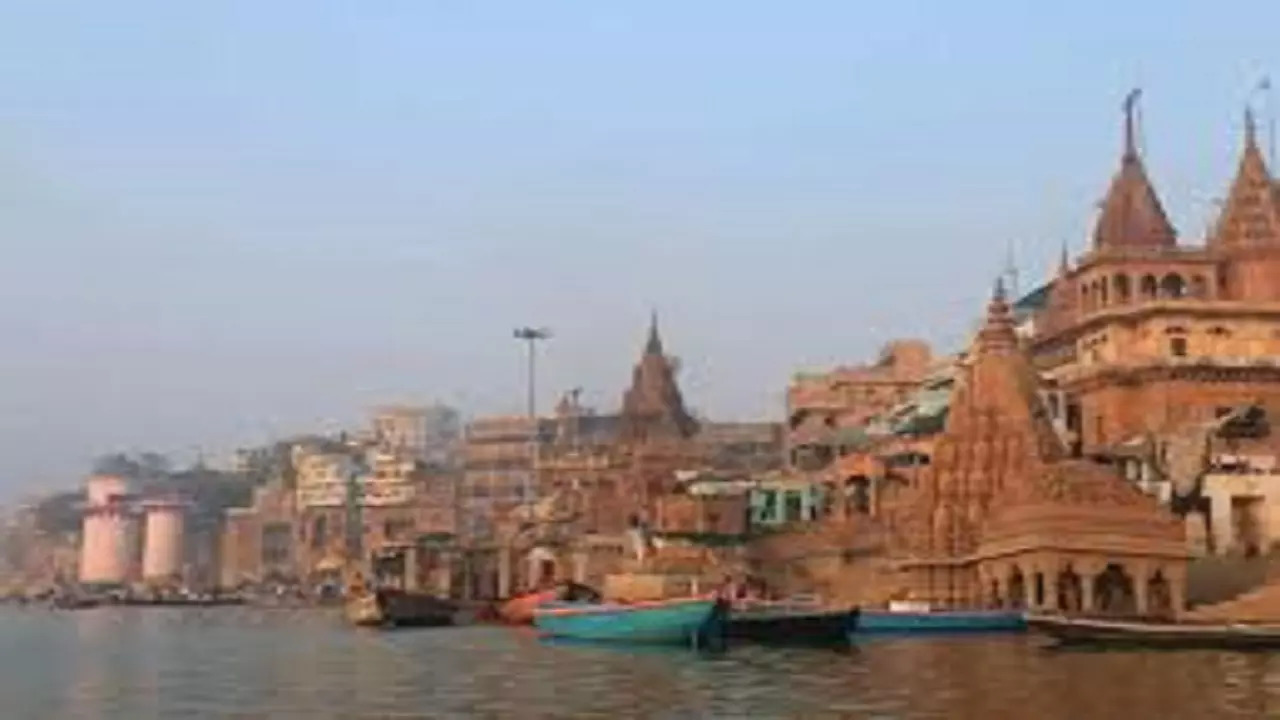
(1235, 589)
(1261, 605)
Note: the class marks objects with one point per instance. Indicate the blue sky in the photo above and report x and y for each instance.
(224, 222)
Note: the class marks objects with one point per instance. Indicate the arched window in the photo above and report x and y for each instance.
(1084, 297)
(1102, 292)
(1122, 289)
(1147, 287)
(1173, 287)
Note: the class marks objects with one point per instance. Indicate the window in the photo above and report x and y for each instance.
(1178, 346)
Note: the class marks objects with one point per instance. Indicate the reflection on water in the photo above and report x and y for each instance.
(111, 663)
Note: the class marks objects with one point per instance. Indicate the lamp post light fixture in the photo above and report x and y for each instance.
(531, 336)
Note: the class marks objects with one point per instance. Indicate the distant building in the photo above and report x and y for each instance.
(820, 406)
(428, 434)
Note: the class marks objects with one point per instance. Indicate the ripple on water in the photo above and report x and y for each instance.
(236, 662)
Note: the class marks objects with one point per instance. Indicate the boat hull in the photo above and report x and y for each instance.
(829, 628)
(1150, 636)
(677, 622)
(393, 608)
(871, 622)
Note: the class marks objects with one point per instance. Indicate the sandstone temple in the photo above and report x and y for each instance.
(1004, 517)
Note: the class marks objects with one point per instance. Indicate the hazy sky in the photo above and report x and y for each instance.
(223, 222)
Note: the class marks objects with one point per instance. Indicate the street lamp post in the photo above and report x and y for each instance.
(531, 336)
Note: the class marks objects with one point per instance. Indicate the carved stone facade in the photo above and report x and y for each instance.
(1004, 518)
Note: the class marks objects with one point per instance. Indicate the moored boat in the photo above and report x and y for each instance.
(791, 624)
(913, 617)
(696, 621)
(1156, 635)
(519, 610)
(389, 607)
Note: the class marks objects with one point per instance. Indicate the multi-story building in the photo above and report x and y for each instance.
(820, 406)
(300, 527)
(1143, 333)
(497, 466)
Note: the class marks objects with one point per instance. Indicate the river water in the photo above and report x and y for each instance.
(131, 664)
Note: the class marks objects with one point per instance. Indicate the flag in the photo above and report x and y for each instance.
(1264, 83)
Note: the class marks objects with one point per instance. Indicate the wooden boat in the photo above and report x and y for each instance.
(912, 617)
(696, 621)
(519, 610)
(388, 607)
(70, 602)
(789, 623)
(1156, 635)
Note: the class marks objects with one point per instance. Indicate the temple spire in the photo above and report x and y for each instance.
(1132, 216)
(653, 405)
(997, 331)
(1064, 261)
(1251, 213)
(653, 346)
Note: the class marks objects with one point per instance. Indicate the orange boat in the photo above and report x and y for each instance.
(519, 609)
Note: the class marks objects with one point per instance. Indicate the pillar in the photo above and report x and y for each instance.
(411, 583)
(1141, 574)
(1051, 589)
(504, 572)
(1177, 589)
(1086, 591)
(580, 567)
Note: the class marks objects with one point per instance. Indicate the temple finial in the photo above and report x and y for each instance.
(1130, 122)
(998, 294)
(1250, 128)
(1064, 260)
(654, 344)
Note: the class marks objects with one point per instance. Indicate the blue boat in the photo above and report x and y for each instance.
(923, 620)
(688, 621)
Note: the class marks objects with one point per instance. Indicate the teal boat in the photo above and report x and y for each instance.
(698, 622)
(911, 621)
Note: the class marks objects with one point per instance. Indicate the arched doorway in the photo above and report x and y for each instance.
(1113, 592)
(1070, 591)
(543, 567)
(1017, 589)
(858, 494)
